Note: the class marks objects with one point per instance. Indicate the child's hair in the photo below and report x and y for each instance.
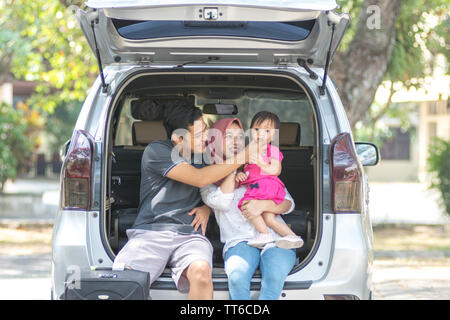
(261, 116)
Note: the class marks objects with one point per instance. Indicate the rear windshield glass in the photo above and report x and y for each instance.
(285, 31)
(290, 108)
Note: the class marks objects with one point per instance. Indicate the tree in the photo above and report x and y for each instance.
(18, 139)
(391, 50)
(41, 41)
(439, 167)
(59, 124)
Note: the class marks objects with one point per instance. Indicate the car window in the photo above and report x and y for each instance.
(285, 31)
(124, 127)
(288, 107)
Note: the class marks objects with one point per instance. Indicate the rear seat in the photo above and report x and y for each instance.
(297, 173)
(289, 135)
(127, 169)
(126, 166)
(126, 176)
(144, 132)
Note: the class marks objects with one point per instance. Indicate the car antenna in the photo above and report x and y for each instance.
(327, 62)
(97, 53)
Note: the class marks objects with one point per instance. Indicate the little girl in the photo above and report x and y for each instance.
(261, 177)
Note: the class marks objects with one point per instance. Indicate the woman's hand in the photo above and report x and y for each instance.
(201, 217)
(253, 208)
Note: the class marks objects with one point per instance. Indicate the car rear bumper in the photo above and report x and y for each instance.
(344, 258)
(74, 233)
(345, 253)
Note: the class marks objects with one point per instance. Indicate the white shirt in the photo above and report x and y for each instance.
(234, 227)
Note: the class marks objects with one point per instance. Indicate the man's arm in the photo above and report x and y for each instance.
(200, 177)
(193, 176)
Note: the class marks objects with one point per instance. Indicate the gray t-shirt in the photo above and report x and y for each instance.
(164, 203)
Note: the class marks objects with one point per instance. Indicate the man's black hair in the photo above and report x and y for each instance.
(179, 114)
(266, 115)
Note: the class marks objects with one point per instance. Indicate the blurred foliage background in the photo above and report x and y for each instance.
(18, 138)
(439, 165)
(41, 41)
(421, 33)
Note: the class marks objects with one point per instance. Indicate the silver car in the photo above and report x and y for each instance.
(226, 57)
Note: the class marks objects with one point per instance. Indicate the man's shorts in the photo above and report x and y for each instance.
(151, 251)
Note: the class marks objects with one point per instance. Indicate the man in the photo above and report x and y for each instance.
(166, 231)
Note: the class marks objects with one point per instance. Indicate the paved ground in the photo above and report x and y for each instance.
(28, 278)
(397, 279)
(25, 277)
(25, 289)
(413, 268)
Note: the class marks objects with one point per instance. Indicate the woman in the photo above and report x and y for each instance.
(242, 260)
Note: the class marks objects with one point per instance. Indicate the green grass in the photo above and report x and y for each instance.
(418, 238)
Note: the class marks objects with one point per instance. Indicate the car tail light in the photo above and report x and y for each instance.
(77, 173)
(346, 177)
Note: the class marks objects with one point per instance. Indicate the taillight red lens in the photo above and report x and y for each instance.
(346, 175)
(77, 173)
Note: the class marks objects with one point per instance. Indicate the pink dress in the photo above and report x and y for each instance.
(261, 186)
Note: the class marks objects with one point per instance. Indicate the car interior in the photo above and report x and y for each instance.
(136, 121)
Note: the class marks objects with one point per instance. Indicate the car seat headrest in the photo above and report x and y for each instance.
(289, 134)
(145, 132)
(152, 108)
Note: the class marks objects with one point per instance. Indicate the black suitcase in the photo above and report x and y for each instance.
(107, 284)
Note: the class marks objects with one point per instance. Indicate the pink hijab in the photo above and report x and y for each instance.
(215, 144)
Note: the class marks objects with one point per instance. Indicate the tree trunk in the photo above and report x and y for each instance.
(359, 70)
